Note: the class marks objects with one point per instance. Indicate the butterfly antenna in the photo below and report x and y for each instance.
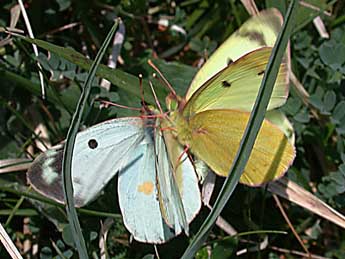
(144, 108)
(156, 99)
(141, 89)
(171, 89)
(118, 105)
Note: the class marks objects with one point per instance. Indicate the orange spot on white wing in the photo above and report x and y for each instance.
(146, 188)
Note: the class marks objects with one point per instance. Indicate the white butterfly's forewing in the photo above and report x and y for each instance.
(99, 153)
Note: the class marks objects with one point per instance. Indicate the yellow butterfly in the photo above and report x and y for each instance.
(212, 117)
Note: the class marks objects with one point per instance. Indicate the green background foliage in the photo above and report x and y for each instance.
(196, 28)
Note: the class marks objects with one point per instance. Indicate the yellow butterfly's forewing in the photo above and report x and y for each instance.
(214, 137)
(259, 31)
(236, 86)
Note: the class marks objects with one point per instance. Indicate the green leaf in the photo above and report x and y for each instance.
(46, 253)
(302, 116)
(224, 249)
(171, 69)
(342, 169)
(329, 100)
(67, 236)
(338, 112)
(332, 54)
(341, 127)
(63, 4)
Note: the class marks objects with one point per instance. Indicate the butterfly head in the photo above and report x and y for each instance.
(174, 102)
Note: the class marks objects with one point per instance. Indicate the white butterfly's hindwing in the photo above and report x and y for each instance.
(138, 197)
(99, 153)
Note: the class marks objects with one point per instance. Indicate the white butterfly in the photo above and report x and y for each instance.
(157, 198)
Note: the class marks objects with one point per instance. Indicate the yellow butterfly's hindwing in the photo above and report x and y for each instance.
(214, 136)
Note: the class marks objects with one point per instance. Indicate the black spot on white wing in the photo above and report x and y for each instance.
(93, 144)
(261, 72)
(226, 84)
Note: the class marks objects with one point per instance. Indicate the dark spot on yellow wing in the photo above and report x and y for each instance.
(254, 36)
(230, 61)
(226, 84)
(93, 143)
(261, 72)
(146, 188)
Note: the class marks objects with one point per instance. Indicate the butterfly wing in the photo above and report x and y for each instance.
(99, 153)
(152, 202)
(184, 175)
(259, 31)
(214, 137)
(279, 119)
(168, 192)
(138, 197)
(236, 86)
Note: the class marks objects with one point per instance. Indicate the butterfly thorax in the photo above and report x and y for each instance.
(150, 121)
(183, 131)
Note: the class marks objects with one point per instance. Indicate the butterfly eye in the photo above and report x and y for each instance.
(226, 84)
(92, 143)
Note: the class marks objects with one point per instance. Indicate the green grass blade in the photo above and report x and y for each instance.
(31, 195)
(68, 150)
(250, 134)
